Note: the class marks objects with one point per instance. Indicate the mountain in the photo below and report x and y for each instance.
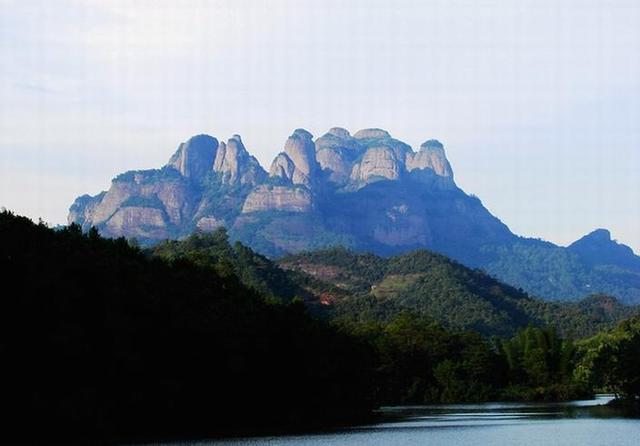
(367, 191)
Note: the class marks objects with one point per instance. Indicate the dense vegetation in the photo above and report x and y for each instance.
(611, 361)
(419, 362)
(431, 285)
(212, 250)
(101, 340)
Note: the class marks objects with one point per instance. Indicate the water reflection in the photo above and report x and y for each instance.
(460, 415)
(583, 423)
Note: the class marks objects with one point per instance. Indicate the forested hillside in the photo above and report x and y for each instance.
(446, 292)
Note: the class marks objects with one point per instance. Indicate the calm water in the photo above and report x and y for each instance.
(581, 423)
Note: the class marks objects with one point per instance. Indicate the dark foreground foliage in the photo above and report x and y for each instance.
(101, 342)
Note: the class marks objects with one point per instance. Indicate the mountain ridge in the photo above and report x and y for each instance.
(367, 191)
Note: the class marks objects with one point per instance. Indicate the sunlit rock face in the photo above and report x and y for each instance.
(371, 134)
(278, 198)
(297, 164)
(430, 166)
(235, 165)
(430, 156)
(378, 163)
(337, 151)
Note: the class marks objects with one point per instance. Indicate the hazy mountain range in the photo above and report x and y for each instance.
(367, 191)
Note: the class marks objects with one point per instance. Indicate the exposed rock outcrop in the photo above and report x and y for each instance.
(430, 166)
(133, 221)
(278, 198)
(379, 137)
(282, 167)
(194, 158)
(378, 163)
(235, 164)
(430, 156)
(297, 164)
(372, 133)
(83, 209)
(336, 151)
(209, 224)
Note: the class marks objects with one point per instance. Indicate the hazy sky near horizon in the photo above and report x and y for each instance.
(537, 102)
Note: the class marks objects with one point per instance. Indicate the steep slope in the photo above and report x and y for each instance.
(367, 191)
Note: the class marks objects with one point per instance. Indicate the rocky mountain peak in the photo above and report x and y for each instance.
(297, 163)
(339, 132)
(194, 158)
(336, 152)
(371, 133)
(301, 133)
(235, 163)
(431, 156)
(431, 144)
(378, 163)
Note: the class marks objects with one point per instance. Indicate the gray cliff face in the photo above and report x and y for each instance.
(134, 221)
(282, 167)
(194, 158)
(278, 198)
(235, 164)
(430, 166)
(297, 164)
(371, 134)
(83, 208)
(381, 138)
(378, 163)
(337, 151)
(138, 205)
(431, 156)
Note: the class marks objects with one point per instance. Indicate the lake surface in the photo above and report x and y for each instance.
(584, 423)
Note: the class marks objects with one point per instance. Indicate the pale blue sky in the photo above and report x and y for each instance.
(537, 102)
